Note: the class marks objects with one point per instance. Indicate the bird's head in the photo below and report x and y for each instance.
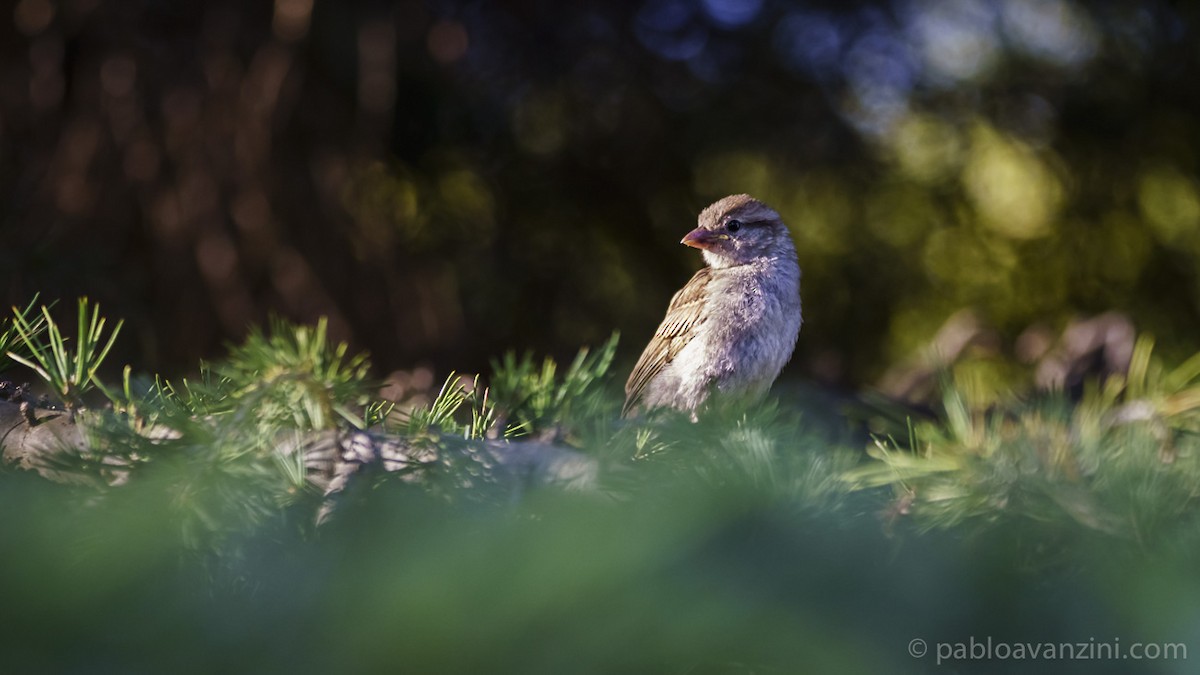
(737, 230)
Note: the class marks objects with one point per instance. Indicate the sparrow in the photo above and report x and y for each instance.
(730, 330)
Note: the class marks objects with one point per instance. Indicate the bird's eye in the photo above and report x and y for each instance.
(733, 225)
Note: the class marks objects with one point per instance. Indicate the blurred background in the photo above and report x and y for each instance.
(449, 179)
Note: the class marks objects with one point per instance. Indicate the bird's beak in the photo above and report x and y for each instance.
(703, 239)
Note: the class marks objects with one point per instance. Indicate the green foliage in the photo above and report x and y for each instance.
(442, 415)
(522, 399)
(1123, 461)
(293, 372)
(214, 441)
(741, 510)
(377, 412)
(533, 399)
(763, 450)
(71, 372)
(11, 341)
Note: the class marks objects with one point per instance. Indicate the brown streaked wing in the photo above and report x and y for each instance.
(677, 329)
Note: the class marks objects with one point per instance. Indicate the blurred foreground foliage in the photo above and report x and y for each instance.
(750, 541)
